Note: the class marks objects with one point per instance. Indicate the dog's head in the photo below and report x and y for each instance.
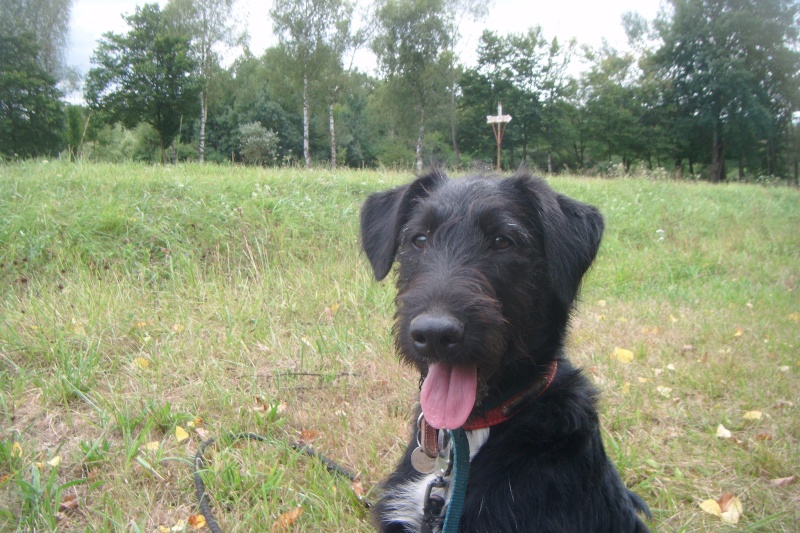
(488, 272)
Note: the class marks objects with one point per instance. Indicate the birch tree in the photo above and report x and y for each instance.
(308, 29)
(412, 41)
(208, 23)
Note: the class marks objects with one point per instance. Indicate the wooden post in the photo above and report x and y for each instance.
(499, 123)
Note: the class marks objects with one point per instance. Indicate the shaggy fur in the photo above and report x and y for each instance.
(495, 265)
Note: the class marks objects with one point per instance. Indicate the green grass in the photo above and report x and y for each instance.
(137, 299)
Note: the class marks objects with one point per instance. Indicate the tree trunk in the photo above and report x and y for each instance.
(420, 139)
(741, 169)
(163, 150)
(717, 157)
(453, 128)
(203, 116)
(333, 133)
(306, 148)
(549, 162)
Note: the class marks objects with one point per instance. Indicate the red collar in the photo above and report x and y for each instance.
(510, 407)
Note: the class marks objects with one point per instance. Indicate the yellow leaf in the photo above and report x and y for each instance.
(642, 380)
(197, 521)
(16, 450)
(752, 415)
(140, 325)
(711, 507)
(723, 432)
(181, 434)
(162, 529)
(601, 303)
(177, 328)
(731, 508)
(179, 526)
(153, 446)
(622, 355)
(794, 317)
(287, 520)
(672, 318)
(77, 328)
(142, 363)
(55, 461)
(738, 333)
(626, 388)
(664, 391)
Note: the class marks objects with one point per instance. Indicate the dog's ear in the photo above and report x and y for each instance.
(571, 231)
(383, 216)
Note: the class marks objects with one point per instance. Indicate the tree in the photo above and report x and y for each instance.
(31, 112)
(46, 22)
(733, 67)
(411, 44)
(258, 144)
(144, 75)
(307, 28)
(207, 22)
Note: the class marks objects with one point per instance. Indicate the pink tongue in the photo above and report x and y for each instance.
(448, 395)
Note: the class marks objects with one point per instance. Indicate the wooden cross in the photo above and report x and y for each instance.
(498, 123)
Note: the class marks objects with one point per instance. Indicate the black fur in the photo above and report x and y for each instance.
(499, 262)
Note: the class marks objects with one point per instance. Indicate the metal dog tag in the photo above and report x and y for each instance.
(421, 462)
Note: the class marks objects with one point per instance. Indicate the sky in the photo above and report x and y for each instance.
(589, 21)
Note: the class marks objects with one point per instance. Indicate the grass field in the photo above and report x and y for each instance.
(137, 302)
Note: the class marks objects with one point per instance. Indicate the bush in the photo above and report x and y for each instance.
(257, 144)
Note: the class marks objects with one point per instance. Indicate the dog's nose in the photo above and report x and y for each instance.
(436, 335)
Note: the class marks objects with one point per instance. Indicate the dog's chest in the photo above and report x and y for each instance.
(405, 502)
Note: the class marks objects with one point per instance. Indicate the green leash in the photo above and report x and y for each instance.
(455, 508)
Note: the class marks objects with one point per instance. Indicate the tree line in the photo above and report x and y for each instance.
(710, 88)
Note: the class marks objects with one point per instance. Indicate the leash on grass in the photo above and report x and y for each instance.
(200, 464)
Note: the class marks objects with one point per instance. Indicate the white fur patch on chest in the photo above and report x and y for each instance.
(405, 502)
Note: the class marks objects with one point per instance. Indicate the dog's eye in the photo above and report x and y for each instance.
(420, 241)
(501, 242)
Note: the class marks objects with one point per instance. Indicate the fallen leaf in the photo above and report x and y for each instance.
(179, 526)
(77, 328)
(711, 507)
(738, 333)
(197, 521)
(55, 461)
(307, 435)
(664, 391)
(626, 388)
(783, 481)
(287, 519)
(794, 317)
(688, 348)
(358, 488)
(642, 380)
(181, 434)
(177, 328)
(723, 432)
(784, 368)
(162, 529)
(622, 355)
(140, 325)
(68, 502)
(765, 436)
(142, 363)
(731, 508)
(672, 318)
(202, 433)
(752, 415)
(602, 303)
(671, 367)
(16, 450)
(152, 446)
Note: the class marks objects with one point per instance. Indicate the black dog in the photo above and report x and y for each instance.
(488, 272)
